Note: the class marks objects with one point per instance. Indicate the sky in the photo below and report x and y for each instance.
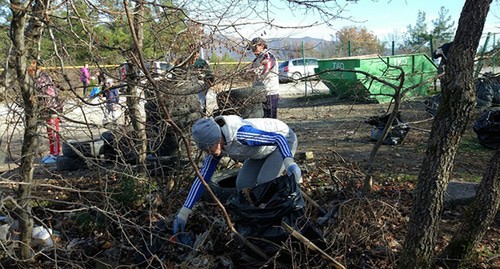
(382, 17)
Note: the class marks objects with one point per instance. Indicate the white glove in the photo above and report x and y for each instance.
(292, 169)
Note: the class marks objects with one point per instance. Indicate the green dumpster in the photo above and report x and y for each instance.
(417, 68)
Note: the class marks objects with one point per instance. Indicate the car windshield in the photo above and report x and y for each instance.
(308, 61)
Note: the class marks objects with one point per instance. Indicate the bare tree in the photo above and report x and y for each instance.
(450, 122)
(137, 118)
(21, 39)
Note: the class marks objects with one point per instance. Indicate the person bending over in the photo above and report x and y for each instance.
(265, 145)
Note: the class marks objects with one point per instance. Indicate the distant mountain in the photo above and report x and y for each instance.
(276, 42)
(282, 46)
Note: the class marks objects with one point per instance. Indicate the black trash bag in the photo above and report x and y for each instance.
(487, 128)
(258, 213)
(267, 202)
(487, 93)
(494, 83)
(484, 92)
(396, 135)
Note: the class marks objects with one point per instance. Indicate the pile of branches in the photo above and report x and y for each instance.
(359, 231)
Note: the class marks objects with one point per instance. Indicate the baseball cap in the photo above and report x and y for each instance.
(255, 42)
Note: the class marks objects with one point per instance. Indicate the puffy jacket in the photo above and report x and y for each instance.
(266, 68)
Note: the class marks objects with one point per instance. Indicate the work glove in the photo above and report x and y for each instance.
(180, 225)
(292, 169)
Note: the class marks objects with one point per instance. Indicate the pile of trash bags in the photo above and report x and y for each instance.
(487, 93)
(488, 90)
(487, 128)
(396, 135)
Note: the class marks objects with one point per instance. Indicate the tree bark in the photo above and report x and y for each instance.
(29, 146)
(478, 216)
(458, 96)
(137, 118)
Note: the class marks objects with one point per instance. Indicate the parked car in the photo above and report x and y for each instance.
(156, 68)
(293, 69)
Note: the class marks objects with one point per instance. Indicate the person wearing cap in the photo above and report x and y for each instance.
(266, 146)
(265, 67)
(112, 100)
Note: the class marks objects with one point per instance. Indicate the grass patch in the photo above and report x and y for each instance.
(466, 177)
(471, 144)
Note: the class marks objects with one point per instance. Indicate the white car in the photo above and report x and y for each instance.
(293, 69)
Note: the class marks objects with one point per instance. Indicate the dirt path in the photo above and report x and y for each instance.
(325, 125)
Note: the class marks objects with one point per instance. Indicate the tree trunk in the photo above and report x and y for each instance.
(23, 212)
(140, 125)
(478, 216)
(137, 118)
(458, 99)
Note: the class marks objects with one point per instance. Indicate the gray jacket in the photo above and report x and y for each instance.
(266, 129)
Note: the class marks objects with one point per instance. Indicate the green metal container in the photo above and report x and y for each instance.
(417, 68)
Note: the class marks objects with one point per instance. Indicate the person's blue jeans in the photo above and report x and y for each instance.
(271, 106)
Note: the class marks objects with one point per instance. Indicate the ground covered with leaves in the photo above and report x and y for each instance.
(111, 216)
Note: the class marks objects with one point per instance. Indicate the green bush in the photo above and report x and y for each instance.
(89, 221)
(131, 192)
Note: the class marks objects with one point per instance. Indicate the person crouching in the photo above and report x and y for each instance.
(266, 146)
